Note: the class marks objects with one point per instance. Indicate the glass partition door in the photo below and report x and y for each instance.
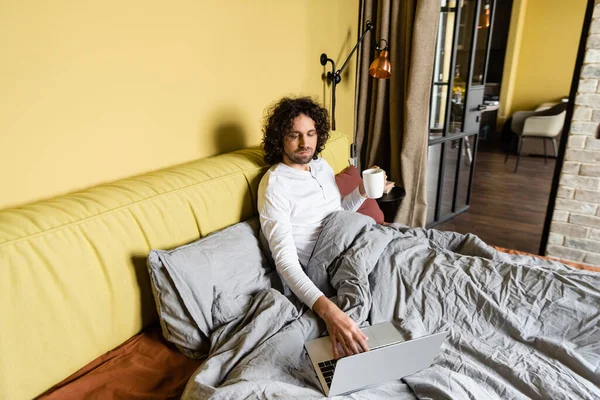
(456, 103)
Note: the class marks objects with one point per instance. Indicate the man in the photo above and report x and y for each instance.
(294, 197)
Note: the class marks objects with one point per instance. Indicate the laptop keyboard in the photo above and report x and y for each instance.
(327, 368)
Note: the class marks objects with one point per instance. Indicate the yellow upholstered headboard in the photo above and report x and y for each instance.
(73, 278)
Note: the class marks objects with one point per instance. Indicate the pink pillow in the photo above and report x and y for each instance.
(349, 179)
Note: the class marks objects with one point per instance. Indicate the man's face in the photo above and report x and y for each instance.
(300, 144)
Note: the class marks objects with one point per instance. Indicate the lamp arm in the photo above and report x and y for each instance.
(368, 28)
(334, 76)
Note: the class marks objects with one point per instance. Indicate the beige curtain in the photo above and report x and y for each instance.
(392, 116)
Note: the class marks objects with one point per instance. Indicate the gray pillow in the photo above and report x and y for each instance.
(185, 281)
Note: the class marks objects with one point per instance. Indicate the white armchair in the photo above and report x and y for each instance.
(545, 123)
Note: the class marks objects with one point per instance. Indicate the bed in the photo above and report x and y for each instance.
(519, 326)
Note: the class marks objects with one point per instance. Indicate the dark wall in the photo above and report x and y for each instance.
(500, 29)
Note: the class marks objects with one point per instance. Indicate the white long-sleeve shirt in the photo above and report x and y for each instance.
(292, 205)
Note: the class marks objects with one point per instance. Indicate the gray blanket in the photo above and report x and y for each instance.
(520, 327)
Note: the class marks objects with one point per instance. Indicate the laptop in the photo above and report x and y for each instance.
(390, 357)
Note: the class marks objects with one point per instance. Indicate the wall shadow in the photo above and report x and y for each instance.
(229, 136)
(149, 313)
(227, 129)
(345, 49)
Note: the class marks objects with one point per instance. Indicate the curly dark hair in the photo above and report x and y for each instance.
(279, 122)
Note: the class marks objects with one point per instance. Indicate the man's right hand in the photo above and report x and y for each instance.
(342, 329)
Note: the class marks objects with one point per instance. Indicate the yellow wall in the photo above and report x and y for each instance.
(92, 91)
(541, 51)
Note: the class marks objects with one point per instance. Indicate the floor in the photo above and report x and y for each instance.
(507, 209)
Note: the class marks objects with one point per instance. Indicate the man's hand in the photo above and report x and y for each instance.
(342, 329)
(361, 190)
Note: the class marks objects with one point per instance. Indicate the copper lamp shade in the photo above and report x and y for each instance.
(381, 67)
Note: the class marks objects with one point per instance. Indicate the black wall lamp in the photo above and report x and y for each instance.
(380, 68)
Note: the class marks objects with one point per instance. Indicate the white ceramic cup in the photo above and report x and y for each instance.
(374, 182)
